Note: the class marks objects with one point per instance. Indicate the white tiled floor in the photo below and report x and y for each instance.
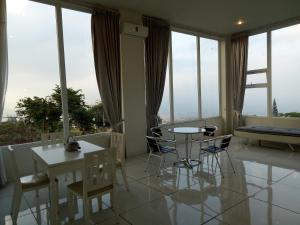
(263, 191)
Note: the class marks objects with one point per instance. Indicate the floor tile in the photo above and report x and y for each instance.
(208, 198)
(138, 195)
(169, 181)
(165, 211)
(241, 183)
(22, 220)
(255, 212)
(5, 208)
(266, 171)
(281, 195)
(292, 180)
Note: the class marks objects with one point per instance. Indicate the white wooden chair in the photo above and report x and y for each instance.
(24, 184)
(117, 142)
(98, 178)
(52, 138)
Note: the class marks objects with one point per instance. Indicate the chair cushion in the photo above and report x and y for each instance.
(35, 180)
(166, 149)
(77, 188)
(212, 149)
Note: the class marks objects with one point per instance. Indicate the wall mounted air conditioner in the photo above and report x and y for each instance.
(134, 30)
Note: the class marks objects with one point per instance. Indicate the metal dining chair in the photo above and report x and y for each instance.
(98, 178)
(210, 132)
(216, 146)
(25, 184)
(159, 148)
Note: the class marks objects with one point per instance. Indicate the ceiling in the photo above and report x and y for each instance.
(215, 16)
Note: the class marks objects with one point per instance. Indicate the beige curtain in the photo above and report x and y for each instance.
(3, 75)
(106, 47)
(239, 58)
(156, 58)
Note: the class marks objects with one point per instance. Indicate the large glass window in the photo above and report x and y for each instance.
(187, 70)
(255, 101)
(33, 72)
(256, 94)
(257, 51)
(87, 115)
(209, 56)
(184, 49)
(285, 72)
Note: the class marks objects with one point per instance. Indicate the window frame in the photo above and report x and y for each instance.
(266, 71)
(58, 7)
(198, 35)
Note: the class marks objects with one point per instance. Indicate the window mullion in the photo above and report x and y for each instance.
(269, 72)
(62, 71)
(199, 79)
(171, 91)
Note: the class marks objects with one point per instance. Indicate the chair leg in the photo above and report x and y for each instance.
(124, 177)
(70, 200)
(115, 205)
(230, 161)
(215, 155)
(146, 169)
(74, 176)
(16, 205)
(160, 165)
(99, 199)
(86, 208)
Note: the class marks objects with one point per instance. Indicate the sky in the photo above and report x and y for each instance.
(34, 70)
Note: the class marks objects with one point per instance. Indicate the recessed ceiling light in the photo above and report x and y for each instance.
(240, 22)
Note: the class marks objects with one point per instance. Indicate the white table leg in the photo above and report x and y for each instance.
(36, 172)
(53, 200)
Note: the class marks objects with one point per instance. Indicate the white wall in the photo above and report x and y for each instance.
(133, 87)
(276, 122)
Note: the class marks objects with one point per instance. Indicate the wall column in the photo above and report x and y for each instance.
(133, 87)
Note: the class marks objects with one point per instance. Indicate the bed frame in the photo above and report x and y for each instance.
(290, 140)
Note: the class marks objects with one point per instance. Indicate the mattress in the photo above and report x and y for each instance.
(295, 132)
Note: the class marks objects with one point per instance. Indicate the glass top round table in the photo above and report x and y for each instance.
(187, 130)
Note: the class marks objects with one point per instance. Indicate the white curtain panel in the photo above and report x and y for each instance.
(3, 74)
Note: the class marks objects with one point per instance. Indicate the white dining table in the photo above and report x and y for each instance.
(56, 160)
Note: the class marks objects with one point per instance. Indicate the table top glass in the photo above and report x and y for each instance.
(187, 130)
(56, 154)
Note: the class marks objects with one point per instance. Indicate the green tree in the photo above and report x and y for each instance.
(275, 109)
(97, 112)
(42, 113)
(78, 110)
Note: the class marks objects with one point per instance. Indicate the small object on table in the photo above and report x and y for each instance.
(72, 145)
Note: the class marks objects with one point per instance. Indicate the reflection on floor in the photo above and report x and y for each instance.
(264, 191)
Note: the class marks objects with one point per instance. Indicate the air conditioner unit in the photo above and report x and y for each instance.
(135, 30)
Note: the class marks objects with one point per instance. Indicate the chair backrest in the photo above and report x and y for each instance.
(153, 144)
(210, 131)
(98, 170)
(52, 138)
(156, 131)
(225, 141)
(14, 164)
(117, 142)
